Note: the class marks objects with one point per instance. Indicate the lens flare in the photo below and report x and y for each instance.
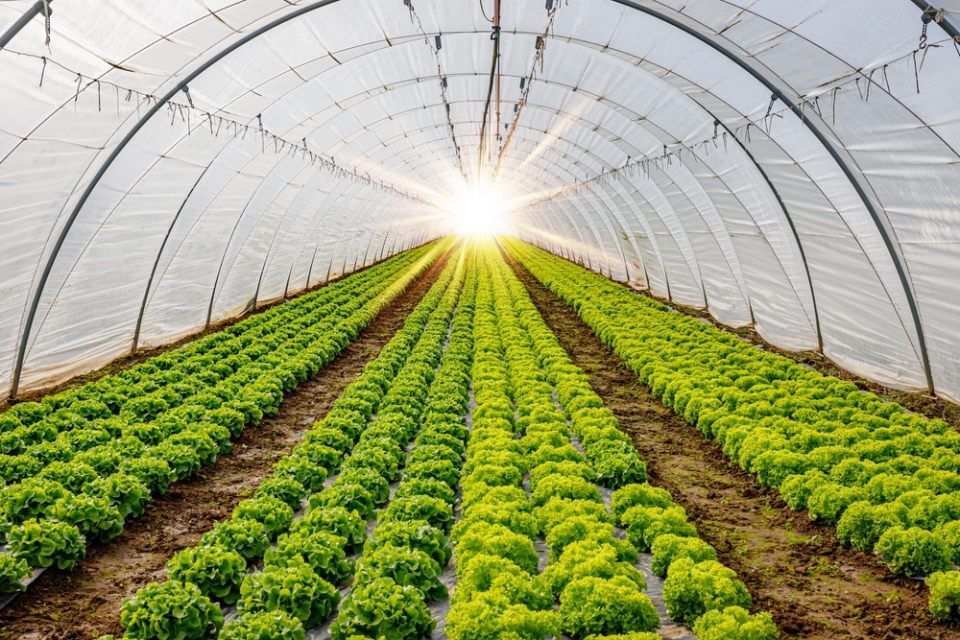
(480, 210)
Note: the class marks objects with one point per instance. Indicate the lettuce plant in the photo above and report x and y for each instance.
(945, 595)
(605, 606)
(693, 588)
(912, 551)
(669, 547)
(434, 511)
(29, 499)
(271, 512)
(324, 552)
(12, 573)
(380, 608)
(735, 623)
(215, 570)
(405, 567)
(45, 543)
(293, 588)
(491, 616)
(413, 534)
(170, 611)
(247, 537)
(336, 520)
(265, 625)
(94, 516)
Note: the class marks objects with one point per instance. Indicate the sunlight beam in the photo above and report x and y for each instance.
(480, 210)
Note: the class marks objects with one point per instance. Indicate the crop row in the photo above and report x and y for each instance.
(524, 480)
(699, 592)
(304, 558)
(399, 571)
(80, 462)
(888, 479)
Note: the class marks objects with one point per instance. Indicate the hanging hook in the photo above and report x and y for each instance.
(926, 17)
(186, 92)
(46, 22)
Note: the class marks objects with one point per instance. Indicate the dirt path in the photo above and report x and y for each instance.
(814, 587)
(85, 603)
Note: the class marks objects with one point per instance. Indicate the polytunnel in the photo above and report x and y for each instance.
(794, 167)
(479, 319)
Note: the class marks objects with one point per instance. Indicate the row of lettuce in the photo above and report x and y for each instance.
(888, 479)
(402, 564)
(282, 558)
(525, 481)
(75, 465)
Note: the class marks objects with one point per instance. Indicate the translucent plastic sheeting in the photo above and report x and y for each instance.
(771, 162)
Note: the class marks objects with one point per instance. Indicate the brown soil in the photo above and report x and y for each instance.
(814, 587)
(85, 603)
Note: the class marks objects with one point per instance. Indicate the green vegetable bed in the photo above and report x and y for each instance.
(888, 479)
(76, 465)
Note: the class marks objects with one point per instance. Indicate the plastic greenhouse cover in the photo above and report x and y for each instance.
(790, 165)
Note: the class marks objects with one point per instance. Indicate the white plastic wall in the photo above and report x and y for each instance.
(828, 218)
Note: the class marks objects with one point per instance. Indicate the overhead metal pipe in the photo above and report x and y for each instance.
(38, 8)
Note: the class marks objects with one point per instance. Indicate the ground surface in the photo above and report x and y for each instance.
(85, 603)
(814, 587)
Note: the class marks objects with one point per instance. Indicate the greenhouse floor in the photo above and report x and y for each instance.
(85, 603)
(814, 587)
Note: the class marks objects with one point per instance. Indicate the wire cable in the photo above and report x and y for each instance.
(435, 49)
(495, 36)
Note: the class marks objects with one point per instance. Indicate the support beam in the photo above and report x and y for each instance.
(853, 174)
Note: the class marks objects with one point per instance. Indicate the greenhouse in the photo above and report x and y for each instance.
(479, 319)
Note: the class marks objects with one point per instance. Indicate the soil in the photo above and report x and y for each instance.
(85, 602)
(795, 569)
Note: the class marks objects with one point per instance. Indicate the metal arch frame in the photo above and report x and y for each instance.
(783, 207)
(775, 192)
(277, 166)
(309, 190)
(944, 24)
(156, 262)
(22, 21)
(621, 248)
(279, 238)
(854, 177)
(785, 213)
(108, 162)
(763, 174)
(616, 239)
(279, 233)
(152, 275)
(628, 269)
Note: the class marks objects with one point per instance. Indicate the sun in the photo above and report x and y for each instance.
(480, 210)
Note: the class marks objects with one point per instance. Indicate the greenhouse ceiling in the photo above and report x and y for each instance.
(792, 166)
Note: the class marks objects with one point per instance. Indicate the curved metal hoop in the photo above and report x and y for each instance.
(853, 175)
